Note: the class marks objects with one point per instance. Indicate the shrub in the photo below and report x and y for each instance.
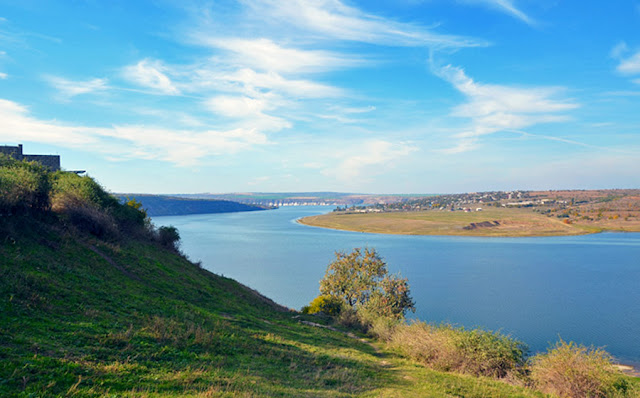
(328, 305)
(576, 371)
(86, 217)
(24, 187)
(169, 237)
(349, 318)
(477, 352)
(383, 328)
(360, 279)
(83, 189)
(92, 209)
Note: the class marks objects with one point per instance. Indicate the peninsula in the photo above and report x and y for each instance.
(515, 213)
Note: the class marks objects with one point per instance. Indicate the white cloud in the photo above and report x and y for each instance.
(493, 108)
(506, 6)
(250, 110)
(263, 54)
(237, 106)
(3, 75)
(251, 80)
(619, 50)
(181, 147)
(151, 74)
(333, 19)
(370, 157)
(70, 88)
(631, 65)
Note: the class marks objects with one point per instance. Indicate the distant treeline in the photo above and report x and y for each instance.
(157, 205)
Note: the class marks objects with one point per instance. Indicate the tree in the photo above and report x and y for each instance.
(361, 280)
(169, 237)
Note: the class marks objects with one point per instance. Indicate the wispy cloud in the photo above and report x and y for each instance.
(367, 159)
(3, 75)
(508, 7)
(151, 74)
(250, 110)
(265, 55)
(630, 65)
(71, 88)
(181, 147)
(333, 19)
(493, 108)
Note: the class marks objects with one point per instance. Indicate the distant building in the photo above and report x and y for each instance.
(50, 161)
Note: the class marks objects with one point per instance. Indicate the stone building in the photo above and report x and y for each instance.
(50, 161)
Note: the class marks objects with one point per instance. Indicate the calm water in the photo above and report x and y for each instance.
(580, 288)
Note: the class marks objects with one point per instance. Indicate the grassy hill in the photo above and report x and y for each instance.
(84, 317)
(96, 302)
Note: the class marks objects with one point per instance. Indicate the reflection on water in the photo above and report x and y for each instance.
(580, 288)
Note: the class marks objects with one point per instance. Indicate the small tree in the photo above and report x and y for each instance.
(169, 237)
(361, 280)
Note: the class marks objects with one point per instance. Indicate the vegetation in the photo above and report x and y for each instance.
(476, 352)
(488, 222)
(324, 304)
(574, 371)
(518, 213)
(109, 311)
(360, 279)
(159, 205)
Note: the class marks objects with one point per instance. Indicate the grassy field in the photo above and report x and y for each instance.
(84, 317)
(511, 222)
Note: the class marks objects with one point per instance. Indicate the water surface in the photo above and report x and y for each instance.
(581, 288)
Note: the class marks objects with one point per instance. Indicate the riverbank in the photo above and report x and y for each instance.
(497, 222)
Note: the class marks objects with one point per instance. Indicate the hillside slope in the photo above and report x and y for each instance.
(81, 316)
(159, 205)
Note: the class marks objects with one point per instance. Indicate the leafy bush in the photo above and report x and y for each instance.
(575, 371)
(169, 237)
(81, 189)
(24, 187)
(328, 305)
(92, 209)
(477, 352)
(360, 279)
(89, 218)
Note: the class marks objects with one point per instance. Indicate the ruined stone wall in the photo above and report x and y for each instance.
(50, 161)
(13, 151)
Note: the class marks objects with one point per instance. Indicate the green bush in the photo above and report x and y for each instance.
(575, 371)
(360, 279)
(328, 305)
(169, 237)
(448, 348)
(24, 187)
(92, 209)
(81, 189)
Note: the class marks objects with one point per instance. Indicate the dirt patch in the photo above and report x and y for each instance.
(483, 224)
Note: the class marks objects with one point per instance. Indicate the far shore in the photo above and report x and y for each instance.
(494, 222)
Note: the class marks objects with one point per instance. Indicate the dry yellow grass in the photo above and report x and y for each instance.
(512, 222)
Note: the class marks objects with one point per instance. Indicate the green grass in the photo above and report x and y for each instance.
(82, 317)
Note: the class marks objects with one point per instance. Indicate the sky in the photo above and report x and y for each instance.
(377, 96)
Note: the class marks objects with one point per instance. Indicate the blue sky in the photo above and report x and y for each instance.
(385, 96)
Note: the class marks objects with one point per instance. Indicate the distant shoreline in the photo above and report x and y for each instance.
(498, 222)
(493, 222)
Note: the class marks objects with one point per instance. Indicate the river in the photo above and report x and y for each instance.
(579, 288)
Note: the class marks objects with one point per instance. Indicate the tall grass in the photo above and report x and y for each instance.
(477, 352)
(575, 371)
